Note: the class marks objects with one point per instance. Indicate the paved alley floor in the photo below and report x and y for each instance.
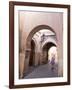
(43, 71)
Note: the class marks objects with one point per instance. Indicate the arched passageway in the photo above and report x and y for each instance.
(33, 55)
(45, 51)
(36, 29)
(29, 28)
(46, 69)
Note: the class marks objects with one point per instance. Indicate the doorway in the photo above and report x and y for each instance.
(45, 50)
(32, 54)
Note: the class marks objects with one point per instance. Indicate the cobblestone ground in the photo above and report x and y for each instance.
(43, 71)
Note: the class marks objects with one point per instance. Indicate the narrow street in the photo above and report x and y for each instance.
(43, 71)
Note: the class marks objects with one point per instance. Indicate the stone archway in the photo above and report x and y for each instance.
(28, 44)
(36, 29)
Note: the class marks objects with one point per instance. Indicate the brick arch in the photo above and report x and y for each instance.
(36, 29)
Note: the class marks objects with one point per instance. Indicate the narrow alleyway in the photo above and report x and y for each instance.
(43, 71)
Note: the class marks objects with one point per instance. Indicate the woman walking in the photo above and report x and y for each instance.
(53, 63)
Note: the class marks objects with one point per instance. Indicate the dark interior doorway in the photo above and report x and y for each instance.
(32, 54)
(46, 48)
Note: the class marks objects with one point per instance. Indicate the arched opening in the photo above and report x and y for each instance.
(36, 29)
(46, 52)
(32, 54)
